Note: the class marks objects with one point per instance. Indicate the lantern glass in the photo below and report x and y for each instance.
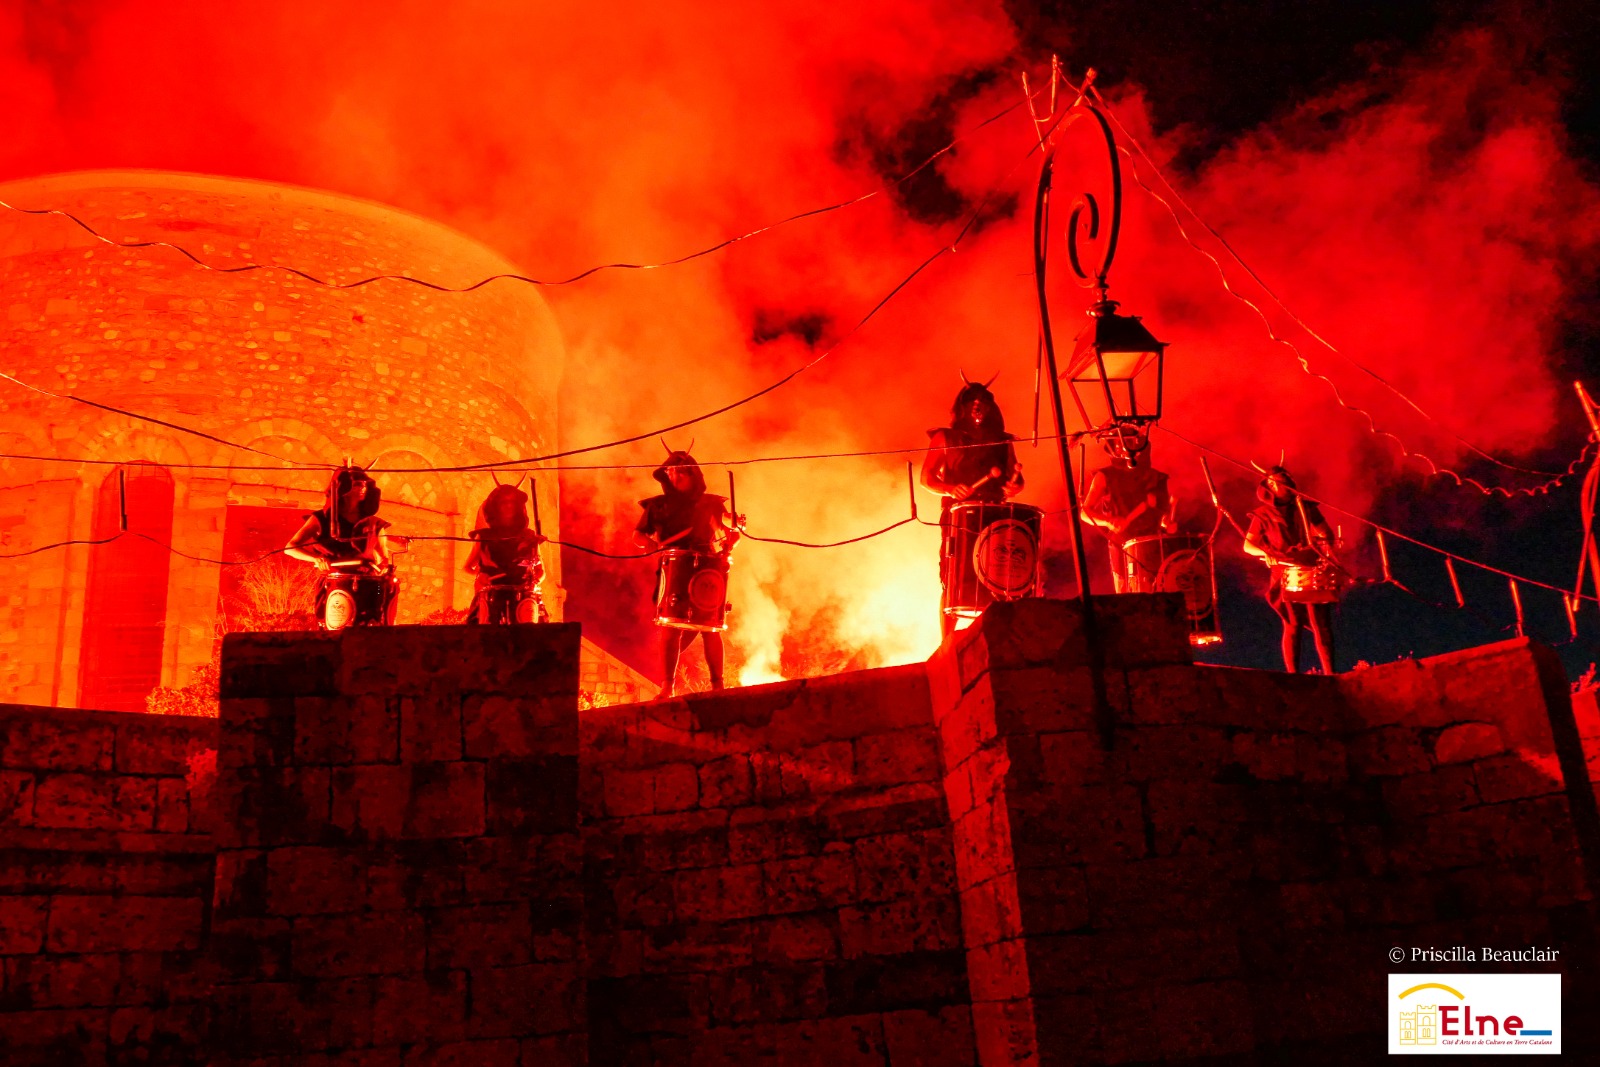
(1116, 371)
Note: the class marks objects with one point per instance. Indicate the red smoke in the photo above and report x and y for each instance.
(1430, 223)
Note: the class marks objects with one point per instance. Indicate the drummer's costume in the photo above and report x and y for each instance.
(1128, 499)
(345, 530)
(961, 462)
(505, 561)
(686, 518)
(1286, 530)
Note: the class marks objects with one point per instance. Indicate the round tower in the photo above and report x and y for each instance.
(388, 375)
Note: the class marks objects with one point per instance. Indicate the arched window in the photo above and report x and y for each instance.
(125, 609)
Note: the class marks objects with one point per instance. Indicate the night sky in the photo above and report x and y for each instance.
(1219, 69)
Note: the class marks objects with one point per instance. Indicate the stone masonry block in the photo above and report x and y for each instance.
(532, 796)
(172, 806)
(796, 937)
(499, 726)
(726, 782)
(339, 946)
(64, 981)
(312, 881)
(272, 806)
(1509, 777)
(909, 924)
(1468, 741)
(1148, 753)
(479, 936)
(907, 864)
(1388, 751)
(1142, 630)
(127, 923)
(522, 661)
(258, 732)
(421, 800)
(22, 924)
(896, 757)
(930, 1037)
(430, 724)
(279, 665)
(1048, 697)
(809, 883)
(719, 894)
(416, 1009)
(159, 744)
(32, 739)
(526, 1000)
(345, 730)
(16, 798)
(94, 802)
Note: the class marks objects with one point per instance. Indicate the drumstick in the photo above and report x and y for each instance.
(1211, 486)
(994, 472)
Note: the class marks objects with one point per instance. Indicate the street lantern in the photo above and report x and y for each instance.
(1117, 370)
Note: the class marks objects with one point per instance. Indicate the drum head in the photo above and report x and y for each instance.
(338, 610)
(525, 608)
(1188, 572)
(708, 589)
(1005, 557)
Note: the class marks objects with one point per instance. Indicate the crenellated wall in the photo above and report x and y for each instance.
(426, 853)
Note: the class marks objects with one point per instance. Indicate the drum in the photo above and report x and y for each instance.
(501, 605)
(991, 553)
(355, 598)
(1322, 583)
(692, 591)
(1173, 563)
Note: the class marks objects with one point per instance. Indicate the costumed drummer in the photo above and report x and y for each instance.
(1288, 531)
(972, 459)
(346, 535)
(1129, 498)
(687, 518)
(505, 561)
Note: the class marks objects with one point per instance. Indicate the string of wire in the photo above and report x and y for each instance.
(1480, 565)
(407, 538)
(510, 276)
(971, 220)
(1434, 468)
(554, 468)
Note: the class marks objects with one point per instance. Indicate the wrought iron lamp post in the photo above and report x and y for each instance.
(1112, 363)
(1118, 368)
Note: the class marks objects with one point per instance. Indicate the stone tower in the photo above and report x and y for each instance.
(390, 375)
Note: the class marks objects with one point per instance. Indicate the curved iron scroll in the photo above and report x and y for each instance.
(1086, 216)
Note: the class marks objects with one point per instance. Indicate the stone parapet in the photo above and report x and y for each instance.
(398, 852)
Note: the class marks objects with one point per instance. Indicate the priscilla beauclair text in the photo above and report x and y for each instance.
(1463, 954)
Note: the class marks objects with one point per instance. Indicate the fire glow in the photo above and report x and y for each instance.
(1411, 229)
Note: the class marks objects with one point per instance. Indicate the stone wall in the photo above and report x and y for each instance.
(105, 883)
(769, 877)
(1224, 882)
(604, 679)
(397, 848)
(425, 853)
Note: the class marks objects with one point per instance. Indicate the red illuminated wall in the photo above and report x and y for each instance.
(124, 619)
(251, 533)
(424, 852)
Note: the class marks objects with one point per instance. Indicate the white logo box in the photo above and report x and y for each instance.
(1474, 1014)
